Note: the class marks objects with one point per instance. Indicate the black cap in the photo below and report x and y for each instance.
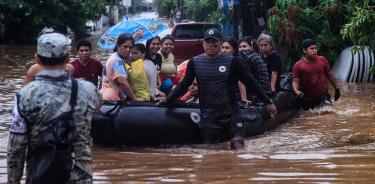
(212, 33)
(307, 43)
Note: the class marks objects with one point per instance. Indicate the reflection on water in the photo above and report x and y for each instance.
(334, 144)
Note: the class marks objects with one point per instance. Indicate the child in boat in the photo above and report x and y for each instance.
(192, 95)
(137, 74)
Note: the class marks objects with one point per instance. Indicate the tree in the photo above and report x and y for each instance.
(203, 10)
(197, 10)
(358, 29)
(291, 21)
(25, 18)
(166, 7)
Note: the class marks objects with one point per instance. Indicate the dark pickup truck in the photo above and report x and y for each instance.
(188, 39)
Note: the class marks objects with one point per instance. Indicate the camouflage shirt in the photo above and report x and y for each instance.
(43, 100)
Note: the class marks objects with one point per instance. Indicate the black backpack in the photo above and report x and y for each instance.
(50, 157)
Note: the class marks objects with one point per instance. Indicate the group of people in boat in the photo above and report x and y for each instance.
(134, 80)
(52, 111)
(148, 72)
(144, 72)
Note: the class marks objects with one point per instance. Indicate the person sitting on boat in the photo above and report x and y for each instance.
(152, 49)
(115, 85)
(309, 77)
(140, 79)
(168, 70)
(85, 66)
(257, 67)
(217, 74)
(247, 43)
(273, 61)
(36, 68)
(229, 46)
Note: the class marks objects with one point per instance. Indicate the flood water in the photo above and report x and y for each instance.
(334, 144)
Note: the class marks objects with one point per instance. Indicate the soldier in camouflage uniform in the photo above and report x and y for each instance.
(46, 98)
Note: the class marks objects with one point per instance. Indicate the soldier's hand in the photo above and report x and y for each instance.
(271, 108)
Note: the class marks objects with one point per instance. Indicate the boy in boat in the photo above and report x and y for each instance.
(85, 66)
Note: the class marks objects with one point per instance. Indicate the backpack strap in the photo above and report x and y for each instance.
(73, 95)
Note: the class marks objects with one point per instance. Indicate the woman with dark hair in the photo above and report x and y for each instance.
(137, 79)
(257, 67)
(229, 46)
(246, 43)
(115, 77)
(168, 69)
(137, 74)
(152, 49)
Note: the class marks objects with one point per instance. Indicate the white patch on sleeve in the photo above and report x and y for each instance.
(18, 124)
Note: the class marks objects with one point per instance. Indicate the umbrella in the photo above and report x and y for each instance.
(141, 30)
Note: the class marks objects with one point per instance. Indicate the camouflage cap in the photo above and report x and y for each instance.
(53, 45)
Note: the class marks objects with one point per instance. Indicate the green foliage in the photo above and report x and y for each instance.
(292, 21)
(203, 10)
(197, 10)
(166, 7)
(358, 29)
(25, 18)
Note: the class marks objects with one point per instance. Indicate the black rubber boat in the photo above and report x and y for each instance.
(145, 124)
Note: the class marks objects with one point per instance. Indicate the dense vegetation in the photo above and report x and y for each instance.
(334, 24)
(201, 10)
(25, 18)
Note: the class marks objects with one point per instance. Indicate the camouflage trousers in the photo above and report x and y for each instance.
(82, 173)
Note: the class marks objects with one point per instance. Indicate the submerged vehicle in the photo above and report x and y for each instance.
(146, 124)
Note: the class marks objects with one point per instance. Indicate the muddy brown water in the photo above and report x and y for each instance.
(334, 144)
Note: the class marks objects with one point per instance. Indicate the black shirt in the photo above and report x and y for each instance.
(274, 64)
(217, 81)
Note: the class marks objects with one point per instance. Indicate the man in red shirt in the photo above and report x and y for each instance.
(310, 77)
(85, 66)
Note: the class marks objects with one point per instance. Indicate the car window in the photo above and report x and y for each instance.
(192, 31)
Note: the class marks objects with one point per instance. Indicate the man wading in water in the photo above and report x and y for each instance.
(217, 75)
